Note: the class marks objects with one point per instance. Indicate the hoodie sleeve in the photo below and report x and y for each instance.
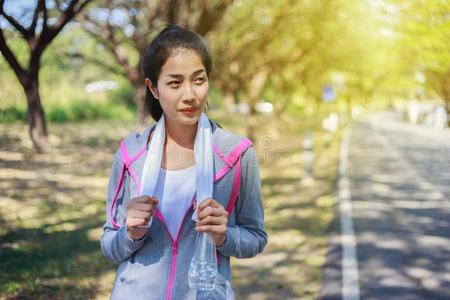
(247, 237)
(115, 243)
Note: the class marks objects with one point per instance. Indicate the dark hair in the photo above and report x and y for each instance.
(171, 38)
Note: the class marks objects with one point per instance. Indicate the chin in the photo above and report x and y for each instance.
(184, 120)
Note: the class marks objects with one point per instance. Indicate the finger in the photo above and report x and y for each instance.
(154, 201)
(209, 211)
(143, 206)
(208, 202)
(139, 214)
(211, 220)
(218, 229)
(204, 204)
(143, 199)
(147, 199)
(133, 222)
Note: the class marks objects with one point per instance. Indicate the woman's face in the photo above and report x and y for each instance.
(182, 88)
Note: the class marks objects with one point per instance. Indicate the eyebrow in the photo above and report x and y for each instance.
(181, 76)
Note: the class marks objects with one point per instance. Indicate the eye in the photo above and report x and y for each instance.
(200, 80)
(174, 83)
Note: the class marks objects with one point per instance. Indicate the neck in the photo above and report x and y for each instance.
(183, 135)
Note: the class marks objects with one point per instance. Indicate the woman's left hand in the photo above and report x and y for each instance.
(213, 218)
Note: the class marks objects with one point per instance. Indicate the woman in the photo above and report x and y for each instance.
(152, 235)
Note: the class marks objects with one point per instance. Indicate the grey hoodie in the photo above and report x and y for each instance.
(156, 266)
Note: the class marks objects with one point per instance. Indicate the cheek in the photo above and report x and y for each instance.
(168, 95)
(202, 91)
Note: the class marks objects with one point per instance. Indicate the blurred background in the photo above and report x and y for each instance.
(290, 75)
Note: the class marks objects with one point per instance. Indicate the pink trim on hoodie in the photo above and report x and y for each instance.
(126, 166)
(173, 265)
(236, 185)
(230, 160)
(116, 194)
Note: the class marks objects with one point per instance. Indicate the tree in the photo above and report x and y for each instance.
(425, 26)
(125, 27)
(284, 47)
(46, 24)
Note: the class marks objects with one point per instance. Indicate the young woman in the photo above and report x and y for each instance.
(154, 259)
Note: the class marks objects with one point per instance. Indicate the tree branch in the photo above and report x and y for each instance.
(81, 7)
(58, 5)
(25, 33)
(39, 6)
(11, 59)
(154, 10)
(171, 10)
(210, 17)
(138, 41)
(45, 16)
(110, 40)
(94, 60)
(48, 33)
(67, 15)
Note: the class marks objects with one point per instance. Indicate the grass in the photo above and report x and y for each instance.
(80, 110)
(64, 102)
(52, 210)
(298, 217)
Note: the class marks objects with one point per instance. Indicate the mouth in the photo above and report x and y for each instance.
(188, 110)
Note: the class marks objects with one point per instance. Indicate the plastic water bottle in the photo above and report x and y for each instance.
(203, 268)
(222, 290)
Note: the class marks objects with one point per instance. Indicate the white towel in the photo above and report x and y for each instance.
(203, 154)
(204, 161)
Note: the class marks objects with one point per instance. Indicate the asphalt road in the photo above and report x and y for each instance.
(399, 194)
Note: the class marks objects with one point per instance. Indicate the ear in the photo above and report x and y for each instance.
(152, 88)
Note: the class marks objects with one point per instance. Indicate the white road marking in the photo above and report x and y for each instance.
(350, 274)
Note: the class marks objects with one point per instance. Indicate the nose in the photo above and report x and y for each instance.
(188, 93)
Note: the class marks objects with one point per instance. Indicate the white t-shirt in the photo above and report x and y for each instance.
(175, 190)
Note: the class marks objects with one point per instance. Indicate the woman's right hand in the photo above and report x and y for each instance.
(139, 212)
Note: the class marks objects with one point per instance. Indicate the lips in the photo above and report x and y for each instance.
(188, 109)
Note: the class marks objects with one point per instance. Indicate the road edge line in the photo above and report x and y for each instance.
(350, 274)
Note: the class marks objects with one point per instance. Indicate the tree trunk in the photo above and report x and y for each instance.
(229, 101)
(445, 92)
(137, 81)
(37, 126)
(251, 125)
(349, 107)
(139, 98)
(37, 42)
(280, 109)
(255, 90)
(447, 108)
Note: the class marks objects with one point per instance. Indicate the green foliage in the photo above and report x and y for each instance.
(80, 109)
(62, 79)
(376, 48)
(12, 114)
(215, 98)
(424, 34)
(123, 96)
(75, 110)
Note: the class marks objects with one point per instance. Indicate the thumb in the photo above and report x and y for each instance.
(154, 201)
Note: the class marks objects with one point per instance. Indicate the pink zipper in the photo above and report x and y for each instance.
(158, 214)
(173, 266)
(172, 271)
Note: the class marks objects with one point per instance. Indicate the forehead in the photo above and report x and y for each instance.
(182, 62)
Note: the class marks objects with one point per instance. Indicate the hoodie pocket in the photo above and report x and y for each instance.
(146, 260)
